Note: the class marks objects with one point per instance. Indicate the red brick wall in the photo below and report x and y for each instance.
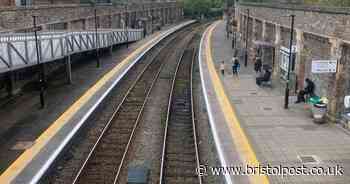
(15, 19)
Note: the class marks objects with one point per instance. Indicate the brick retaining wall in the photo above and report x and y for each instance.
(19, 18)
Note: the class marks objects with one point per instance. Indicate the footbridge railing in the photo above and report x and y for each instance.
(18, 50)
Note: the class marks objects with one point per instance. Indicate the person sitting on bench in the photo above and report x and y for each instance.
(308, 90)
(265, 78)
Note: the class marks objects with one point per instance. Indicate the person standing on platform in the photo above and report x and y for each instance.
(235, 66)
(258, 65)
(222, 68)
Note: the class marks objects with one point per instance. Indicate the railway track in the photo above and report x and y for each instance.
(106, 158)
(180, 156)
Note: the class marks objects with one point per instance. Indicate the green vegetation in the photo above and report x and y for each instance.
(198, 8)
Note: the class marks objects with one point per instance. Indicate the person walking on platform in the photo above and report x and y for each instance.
(222, 67)
(235, 66)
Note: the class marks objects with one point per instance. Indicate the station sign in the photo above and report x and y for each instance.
(286, 50)
(324, 66)
(284, 60)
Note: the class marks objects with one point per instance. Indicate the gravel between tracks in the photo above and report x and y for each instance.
(69, 163)
(146, 150)
(147, 145)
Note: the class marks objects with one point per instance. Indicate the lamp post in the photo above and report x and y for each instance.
(126, 24)
(41, 82)
(227, 30)
(226, 9)
(233, 39)
(233, 30)
(246, 40)
(143, 22)
(96, 40)
(151, 20)
(286, 97)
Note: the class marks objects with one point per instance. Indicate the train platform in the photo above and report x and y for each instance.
(34, 157)
(251, 127)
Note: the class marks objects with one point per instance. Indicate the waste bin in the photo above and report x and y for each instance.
(311, 101)
(314, 100)
(319, 111)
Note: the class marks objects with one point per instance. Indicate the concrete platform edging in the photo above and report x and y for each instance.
(210, 115)
(230, 138)
(24, 166)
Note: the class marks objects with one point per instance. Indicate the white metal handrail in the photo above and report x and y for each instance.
(17, 50)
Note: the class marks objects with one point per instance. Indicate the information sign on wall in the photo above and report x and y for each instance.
(324, 66)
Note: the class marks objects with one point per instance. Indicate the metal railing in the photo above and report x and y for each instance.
(17, 50)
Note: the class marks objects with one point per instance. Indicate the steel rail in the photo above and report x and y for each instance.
(166, 122)
(169, 111)
(136, 123)
(194, 117)
(118, 109)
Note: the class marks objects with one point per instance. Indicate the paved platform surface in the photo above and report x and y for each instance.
(275, 136)
(38, 155)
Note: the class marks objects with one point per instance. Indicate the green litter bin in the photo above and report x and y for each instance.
(311, 101)
(314, 100)
(318, 109)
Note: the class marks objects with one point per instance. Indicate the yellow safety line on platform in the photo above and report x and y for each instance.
(238, 135)
(24, 159)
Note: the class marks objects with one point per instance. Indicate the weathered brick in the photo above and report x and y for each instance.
(326, 21)
(323, 34)
(19, 18)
